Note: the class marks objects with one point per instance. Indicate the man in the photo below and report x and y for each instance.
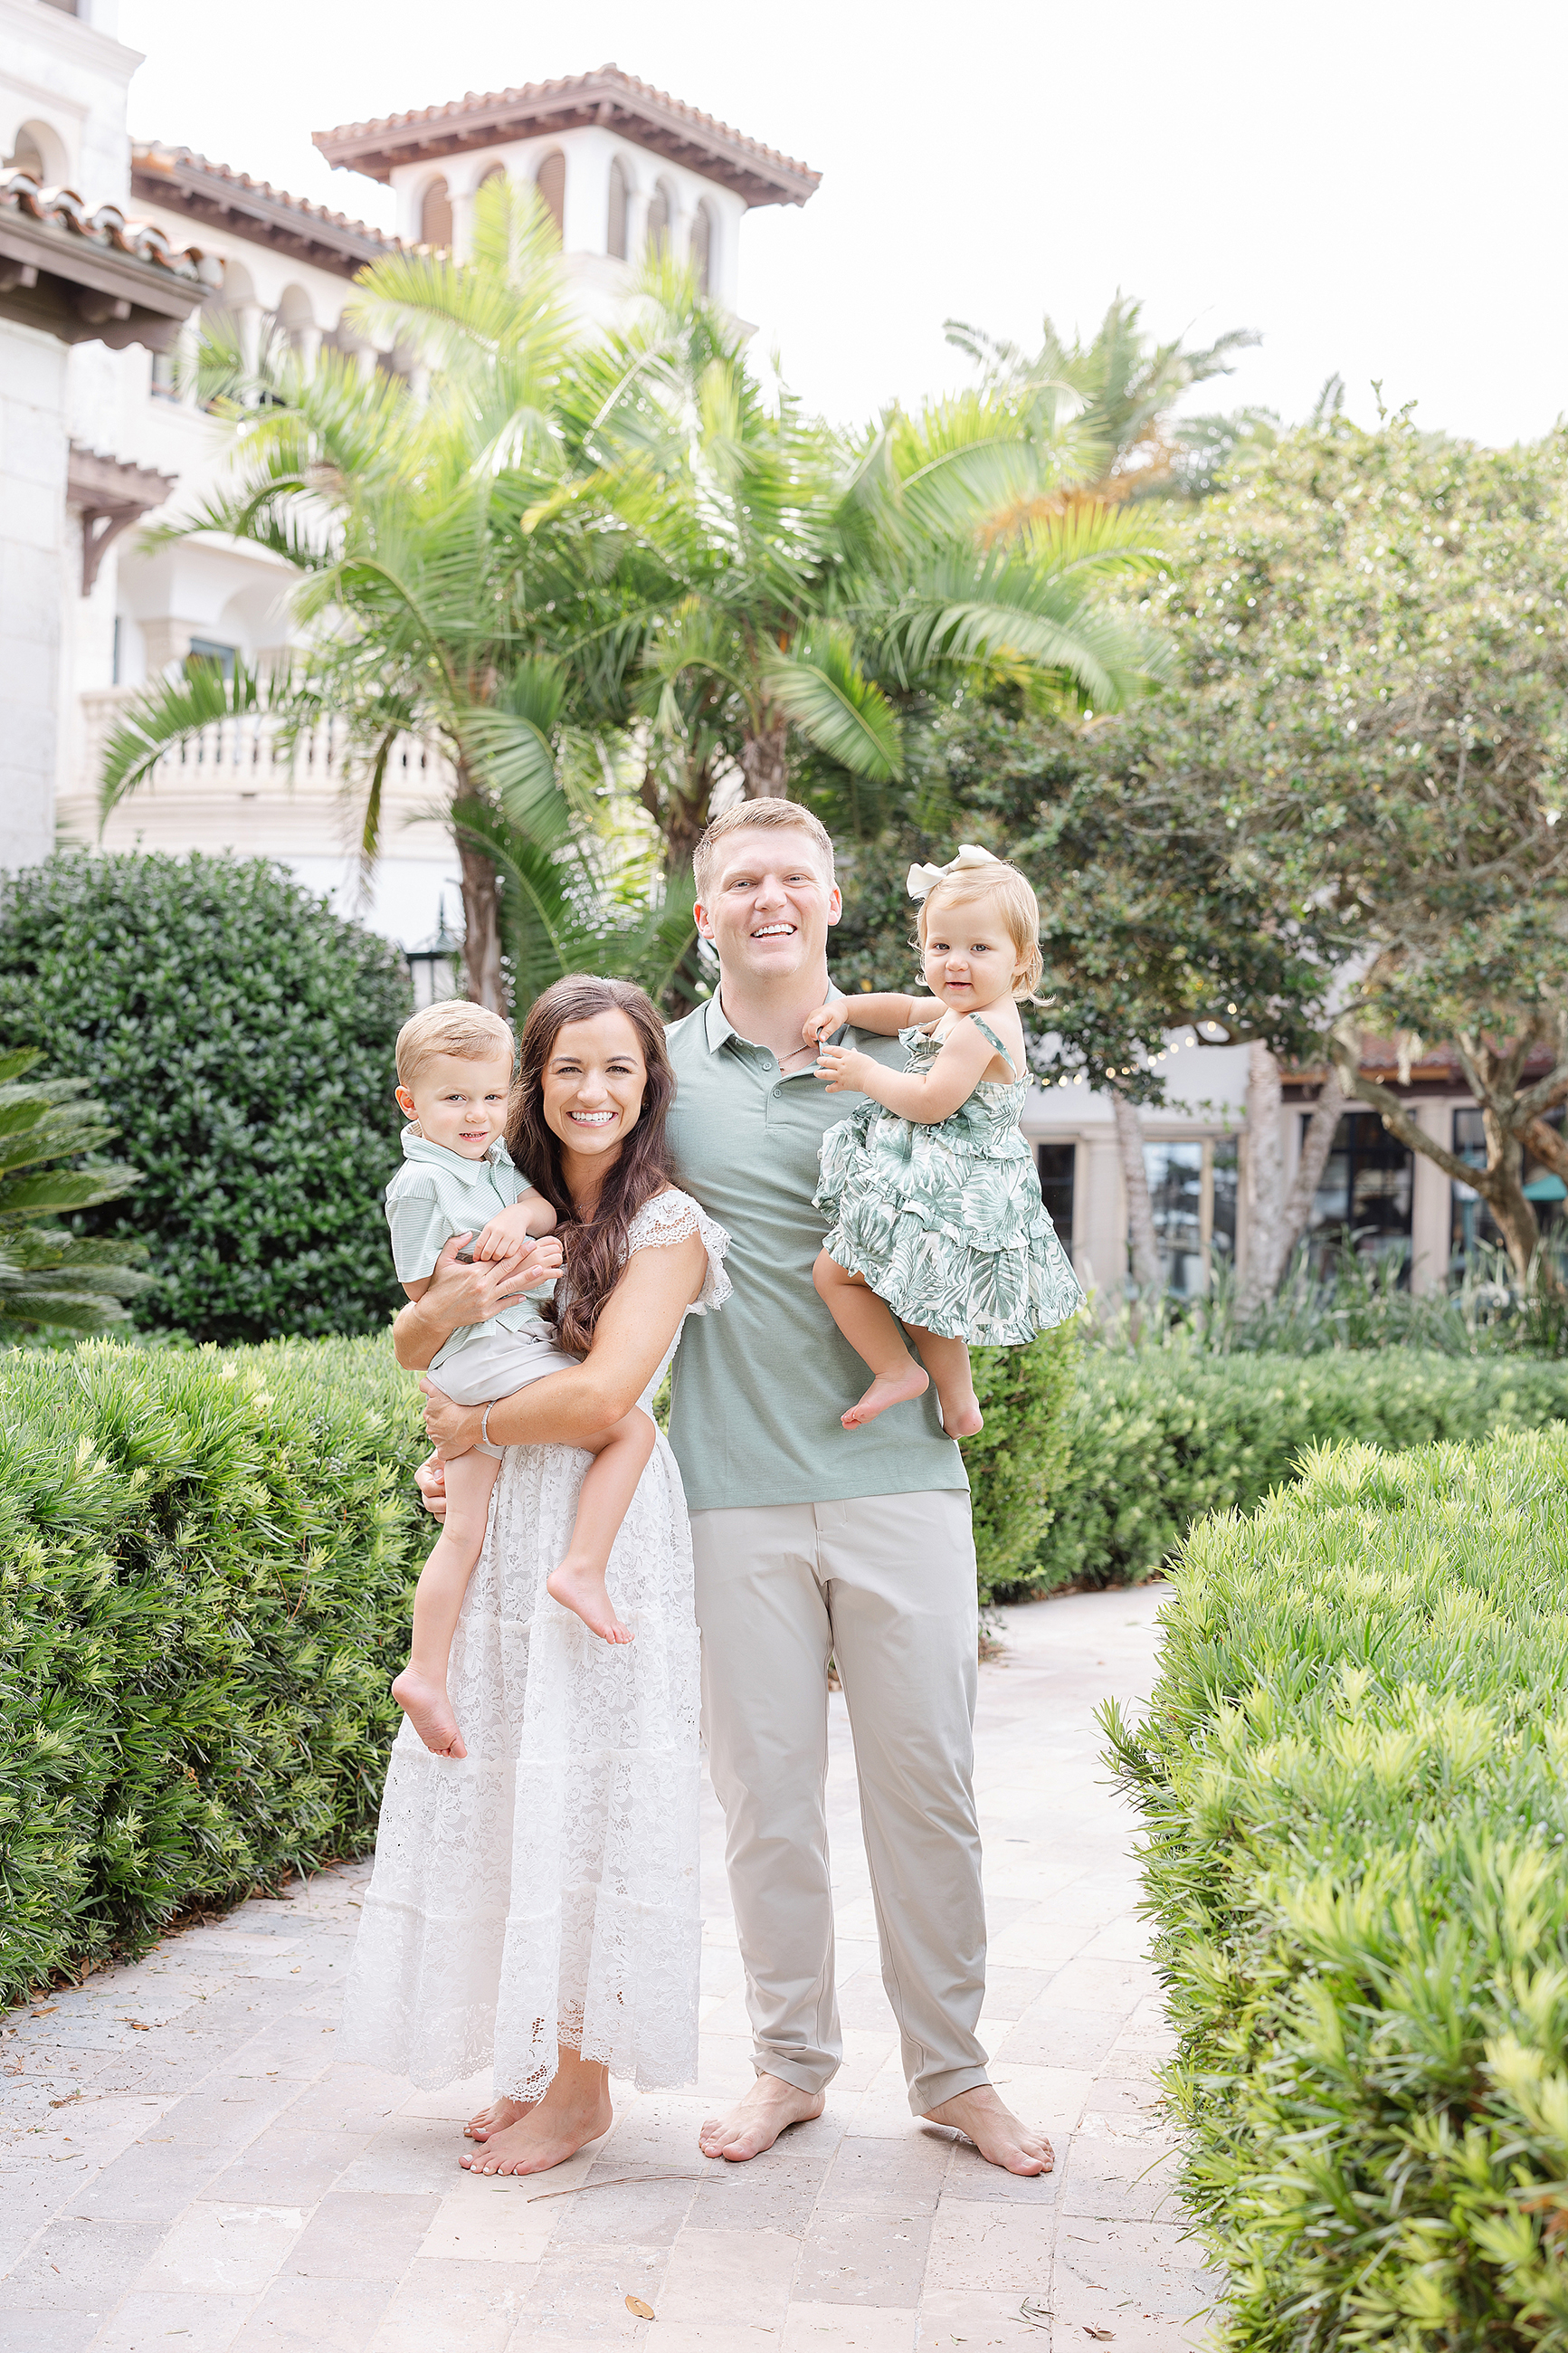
(811, 1541)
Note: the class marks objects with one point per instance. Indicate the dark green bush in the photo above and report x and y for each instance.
(1016, 1464)
(1355, 1780)
(206, 1573)
(240, 1035)
(1155, 1440)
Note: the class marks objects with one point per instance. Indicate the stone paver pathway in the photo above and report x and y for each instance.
(188, 2169)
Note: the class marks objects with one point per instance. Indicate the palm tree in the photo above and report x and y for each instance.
(424, 607)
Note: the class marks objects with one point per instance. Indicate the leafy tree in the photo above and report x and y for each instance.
(51, 1278)
(239, 1035)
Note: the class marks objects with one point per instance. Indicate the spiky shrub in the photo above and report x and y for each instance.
(205, 1570)
(50, 1277)
(1151, 1442)
(1355, 1780)
(240, 1035)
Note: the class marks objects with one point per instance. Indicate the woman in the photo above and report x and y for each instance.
(535, 1905)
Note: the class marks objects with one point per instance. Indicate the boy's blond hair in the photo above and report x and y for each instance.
(453, 1027)
(763, 817)
(1020, 912)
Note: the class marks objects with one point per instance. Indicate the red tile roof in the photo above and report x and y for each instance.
(233, 202)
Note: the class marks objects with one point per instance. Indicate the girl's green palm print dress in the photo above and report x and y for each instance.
(945, 1220)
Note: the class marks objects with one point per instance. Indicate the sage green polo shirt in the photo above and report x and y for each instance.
(759, 1387)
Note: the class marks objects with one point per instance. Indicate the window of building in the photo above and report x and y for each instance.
(166, 376)
(114, 658)
(1058, 1165)
(207, 649)
(1193, 1193)
(492, 171)
(615, 234)
(24, 157)
(701, 247)
(1366, 1194)
(435, 216)
(660, 213)
(1471, 1222)
(552, 183)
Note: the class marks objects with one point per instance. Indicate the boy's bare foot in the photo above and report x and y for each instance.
(495, 2119)
(548, 2135)
(425, 1703)
(996, 2132)
(887, 1388)
(961, 1414)
(769, 2108)
(582, 1589)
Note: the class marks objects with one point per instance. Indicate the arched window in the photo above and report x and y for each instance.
(41, 152)
(660, 213)
(701, 254)
(616, 242)
(552, 181)
(24, 157)
(435, 216)
(494, 172)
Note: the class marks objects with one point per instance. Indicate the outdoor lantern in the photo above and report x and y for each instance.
(434, 968)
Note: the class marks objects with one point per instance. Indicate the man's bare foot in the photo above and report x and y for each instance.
(961, 1414)
(548, 2135)
(996, 2133)
(887, 1388)
(755, 2122)
(582, 1588)
(425, 1703)
(495, 2119)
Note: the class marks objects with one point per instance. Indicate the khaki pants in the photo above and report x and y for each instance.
(885, 1585)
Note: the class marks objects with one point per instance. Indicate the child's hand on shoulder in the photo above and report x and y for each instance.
(824, 1021)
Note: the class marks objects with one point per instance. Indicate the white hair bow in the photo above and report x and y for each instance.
(924, 879)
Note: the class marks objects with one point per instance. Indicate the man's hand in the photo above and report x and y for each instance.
(431, 1480)
(845, 1070)
(455, 1428)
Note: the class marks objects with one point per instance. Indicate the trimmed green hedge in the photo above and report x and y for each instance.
(1020, 1458)
(1354, 1779)
(1153, 1441)
(205, 1570)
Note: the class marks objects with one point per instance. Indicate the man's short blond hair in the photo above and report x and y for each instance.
(454, 1027)
(1019, 909)
(759, 816)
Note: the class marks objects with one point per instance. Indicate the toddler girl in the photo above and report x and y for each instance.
(935, 1205)
(454, 1073)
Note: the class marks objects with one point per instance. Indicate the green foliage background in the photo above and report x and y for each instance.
(207, 1565)
(240, 1035)
(1354, 1779)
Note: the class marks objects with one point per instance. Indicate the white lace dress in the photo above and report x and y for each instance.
(543, 1889)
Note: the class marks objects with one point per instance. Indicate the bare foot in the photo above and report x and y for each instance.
(582, 1588)
(996, 2133)
(887, 1388)
(495, 2118)
(961, 1414)
(755, 2122)
(425, 1703)
(548, 2135)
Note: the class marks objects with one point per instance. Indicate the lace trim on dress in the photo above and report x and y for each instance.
(674, 1217)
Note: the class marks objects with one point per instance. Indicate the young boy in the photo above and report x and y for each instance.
(454, 1080)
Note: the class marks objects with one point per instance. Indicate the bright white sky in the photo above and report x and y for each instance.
(1376, 186)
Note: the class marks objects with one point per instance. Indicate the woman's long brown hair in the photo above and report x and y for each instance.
(595, 1253)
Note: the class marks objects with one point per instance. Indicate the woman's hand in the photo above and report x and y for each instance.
(455, 1428)
(431, 1480)
(457, 1294)
(508, 1234)
(845, 1070)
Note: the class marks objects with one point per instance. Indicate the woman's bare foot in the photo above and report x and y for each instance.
(961, 1414)
(887, 1388)
(495, 2119)
(580, 1586)
(769, 2108)
(576, 2109)
(996, 2133)
(425, 1703)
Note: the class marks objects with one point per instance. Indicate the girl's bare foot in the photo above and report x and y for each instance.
(576, 2109)
(580, 1587)
(961, 1414)
(887, 1388)
(425, 1703)
(496, 2118)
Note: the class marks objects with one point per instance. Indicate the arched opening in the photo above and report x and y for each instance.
(551, 186)
(41, 152)
(295, 317)
(615, 238)
(492, 172)
(660, 213)
(435, 217)
(701, 250)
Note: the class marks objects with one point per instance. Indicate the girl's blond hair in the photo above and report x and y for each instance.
(1020, 910)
